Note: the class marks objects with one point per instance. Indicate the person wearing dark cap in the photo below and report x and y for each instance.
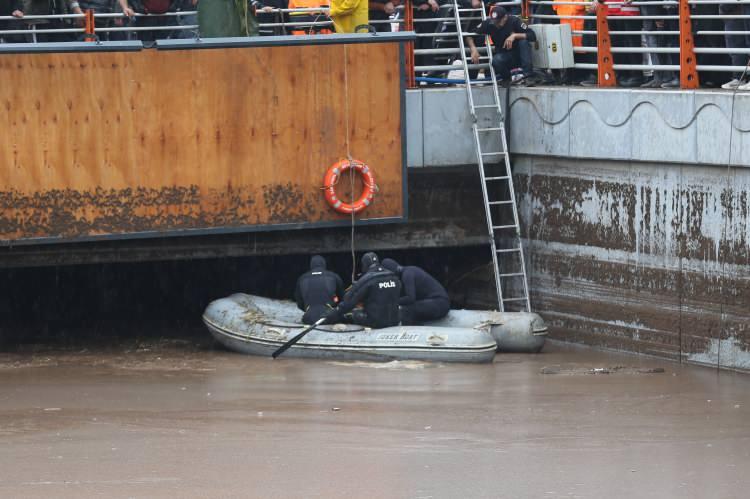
(318, 291)
(378, 290)
(423, 298)
(511, 38)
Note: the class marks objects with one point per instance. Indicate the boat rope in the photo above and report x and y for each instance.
(349, 156)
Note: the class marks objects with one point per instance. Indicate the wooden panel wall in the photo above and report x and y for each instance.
(120, 143)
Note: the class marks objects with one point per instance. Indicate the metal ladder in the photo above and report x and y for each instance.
(493, 191)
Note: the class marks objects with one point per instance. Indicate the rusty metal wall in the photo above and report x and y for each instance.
(121, 144)
(650, 258)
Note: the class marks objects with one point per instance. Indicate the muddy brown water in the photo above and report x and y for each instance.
(170, 420)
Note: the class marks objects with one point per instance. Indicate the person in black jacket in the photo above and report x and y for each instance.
(318, 291)
(424, 298)
(10, 8)
(511, 38)
(378, 289)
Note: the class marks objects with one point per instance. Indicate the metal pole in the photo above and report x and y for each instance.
(411, 80)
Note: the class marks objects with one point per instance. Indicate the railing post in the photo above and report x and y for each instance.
(89, 26)
(411, 81)
(688, 64)
(525, 10)
(604, 61)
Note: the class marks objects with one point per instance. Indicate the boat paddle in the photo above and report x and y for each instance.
(283, 348)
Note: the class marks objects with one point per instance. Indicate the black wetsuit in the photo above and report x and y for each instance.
(424, 299)
(379, 290)
(318, 291)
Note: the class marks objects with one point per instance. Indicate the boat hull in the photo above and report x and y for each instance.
(258, 326)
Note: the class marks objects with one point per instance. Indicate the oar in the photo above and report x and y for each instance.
(283, 348)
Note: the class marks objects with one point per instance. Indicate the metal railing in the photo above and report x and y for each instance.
(436, 49)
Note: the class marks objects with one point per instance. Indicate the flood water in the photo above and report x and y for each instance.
(169, 419)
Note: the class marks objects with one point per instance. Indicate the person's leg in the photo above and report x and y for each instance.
(587, 76)
(501, 62)
(522, 50)
(652, 41)
(735, 41)
(670, 79)
(430, 310)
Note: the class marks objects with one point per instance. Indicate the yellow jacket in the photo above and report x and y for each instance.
(348, 14)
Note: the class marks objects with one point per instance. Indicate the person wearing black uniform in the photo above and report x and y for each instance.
(511, 38)
(318, 291)
(423, 297)
(378, 289)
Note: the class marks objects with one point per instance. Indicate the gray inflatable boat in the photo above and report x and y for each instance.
(258, 326)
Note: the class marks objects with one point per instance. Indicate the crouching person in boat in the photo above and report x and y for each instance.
(423, 298)
(378, 289)
(318, 291)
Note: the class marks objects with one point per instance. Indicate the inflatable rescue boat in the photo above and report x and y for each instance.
(258, 326)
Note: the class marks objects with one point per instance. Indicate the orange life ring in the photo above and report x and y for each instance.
(332, 177)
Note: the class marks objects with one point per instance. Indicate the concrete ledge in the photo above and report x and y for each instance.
(686, 127)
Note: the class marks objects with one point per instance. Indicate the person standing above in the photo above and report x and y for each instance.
(10, 8)
(349, 15)
(378, 289)
(511, 38)
(382, 10)
(734, 40)
(424, 298)
(318, 291)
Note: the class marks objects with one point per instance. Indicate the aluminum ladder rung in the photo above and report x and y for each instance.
(462, 15)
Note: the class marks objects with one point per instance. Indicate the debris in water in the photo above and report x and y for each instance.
(601, 370)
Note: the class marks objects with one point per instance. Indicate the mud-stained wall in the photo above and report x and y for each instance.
(651, 258)
(155, 142)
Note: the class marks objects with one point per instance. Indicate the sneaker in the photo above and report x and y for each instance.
(654, 83)
(519, 80)
(731, 85)
(631, 82)
(591, 81)
(744, 87)
(673, 83)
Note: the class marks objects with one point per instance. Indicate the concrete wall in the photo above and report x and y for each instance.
(637, 230)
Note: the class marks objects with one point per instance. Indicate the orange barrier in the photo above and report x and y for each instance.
(90, 26)
(688, 65)
(605, 62)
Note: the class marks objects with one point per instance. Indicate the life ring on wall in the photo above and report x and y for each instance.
(332, 178)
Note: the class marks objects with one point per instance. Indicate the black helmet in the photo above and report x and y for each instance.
(393, 266)
(317, 262)
(368, 260)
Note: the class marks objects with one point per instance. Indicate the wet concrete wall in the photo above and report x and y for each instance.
(641, 257)
(635, 208)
